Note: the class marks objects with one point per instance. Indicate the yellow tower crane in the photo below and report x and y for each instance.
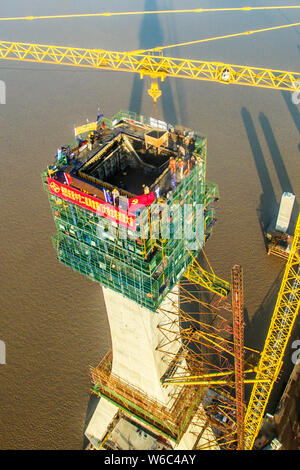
(153, 64)
(282, 322)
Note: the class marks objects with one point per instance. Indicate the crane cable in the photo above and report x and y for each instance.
(244, 33)
(198, 10)
(188, 43)
(130, 13)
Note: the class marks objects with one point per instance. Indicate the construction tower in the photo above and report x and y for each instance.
(133, 209)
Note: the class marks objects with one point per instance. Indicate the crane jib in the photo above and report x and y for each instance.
(155, 66)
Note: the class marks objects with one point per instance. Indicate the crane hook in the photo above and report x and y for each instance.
(154, 91)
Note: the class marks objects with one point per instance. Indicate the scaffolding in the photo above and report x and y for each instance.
(171, 422)
(146, 263)
(204, 338)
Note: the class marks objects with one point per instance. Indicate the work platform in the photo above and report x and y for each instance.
(127, 164)
(107, 229)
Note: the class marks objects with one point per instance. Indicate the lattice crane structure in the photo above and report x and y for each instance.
(155, 66)
(282, 322)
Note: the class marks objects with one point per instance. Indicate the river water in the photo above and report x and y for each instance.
(53, 320)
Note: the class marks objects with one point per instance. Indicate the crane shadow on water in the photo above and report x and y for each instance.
(279, 165)
(293, 109)
(268, 204)
(256, 329)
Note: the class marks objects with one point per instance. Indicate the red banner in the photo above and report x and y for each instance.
(91, 204)
(140, 201)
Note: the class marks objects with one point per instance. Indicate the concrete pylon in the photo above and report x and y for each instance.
(139, 362)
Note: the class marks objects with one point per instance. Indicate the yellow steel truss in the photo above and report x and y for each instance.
(155, 66)
(195, 273)
(284, 315)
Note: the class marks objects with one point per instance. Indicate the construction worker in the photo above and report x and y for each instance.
(146, 189)
(172, 164)
(79, 140)
(91, 140)
(115, 195)
(180, 166)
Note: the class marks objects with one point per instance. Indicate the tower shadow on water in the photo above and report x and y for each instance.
(151, 35)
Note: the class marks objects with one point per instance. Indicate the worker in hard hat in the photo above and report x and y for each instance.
(115, 195)
(91, 140)
(180, 166)
(172, 164)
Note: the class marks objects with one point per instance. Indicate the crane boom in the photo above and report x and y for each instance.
(283, 319)
(155, 66)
